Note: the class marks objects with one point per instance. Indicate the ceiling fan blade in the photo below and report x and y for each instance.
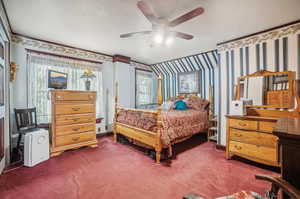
(183, 35)
(147, 11)
(190, 15)
(135, 33)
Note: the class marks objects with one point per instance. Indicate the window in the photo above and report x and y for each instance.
(145, 88)
(38, 91)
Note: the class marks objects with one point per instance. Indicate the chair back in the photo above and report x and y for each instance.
(26, 118)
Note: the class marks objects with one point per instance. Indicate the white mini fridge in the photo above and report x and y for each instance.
(36, 147)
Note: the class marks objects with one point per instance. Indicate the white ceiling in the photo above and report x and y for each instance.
(97, 24)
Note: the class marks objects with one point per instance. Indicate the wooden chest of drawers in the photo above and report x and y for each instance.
(251, 137)
(73, 120)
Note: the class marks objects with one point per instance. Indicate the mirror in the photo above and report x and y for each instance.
(254, 90)
(268, 89)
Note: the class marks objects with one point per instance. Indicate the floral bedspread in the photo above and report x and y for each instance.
(179, 124)
(176, 124)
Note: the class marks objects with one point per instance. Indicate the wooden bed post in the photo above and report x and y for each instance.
(159, 120)
(116, 112)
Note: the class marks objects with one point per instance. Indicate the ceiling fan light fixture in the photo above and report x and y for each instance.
(169, 41)
(158, 38)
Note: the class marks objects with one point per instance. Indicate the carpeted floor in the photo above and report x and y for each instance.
(116, 171)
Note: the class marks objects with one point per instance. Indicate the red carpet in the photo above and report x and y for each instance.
(116, 171)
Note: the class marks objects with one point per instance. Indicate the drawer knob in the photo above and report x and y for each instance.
(75, 109)
(58, 97)
(238, 135)
(75, 119)
(242, 124)
(238, 147)
(75, 139)
(75, 129)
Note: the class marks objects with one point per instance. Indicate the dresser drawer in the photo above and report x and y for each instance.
(74, 119)
(260, 152)
(251, 137)
(64, 109)
(74, 129)
(75, 96)
(74, 139)
(266, 126)
(243, 124)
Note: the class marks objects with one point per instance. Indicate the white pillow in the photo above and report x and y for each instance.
(168, 105)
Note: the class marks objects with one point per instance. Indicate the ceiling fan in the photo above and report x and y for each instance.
(161, 26)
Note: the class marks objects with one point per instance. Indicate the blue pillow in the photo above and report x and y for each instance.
(180, 105)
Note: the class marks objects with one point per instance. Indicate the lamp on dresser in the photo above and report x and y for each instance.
(73, 120)
(88, 74)
(250, 136)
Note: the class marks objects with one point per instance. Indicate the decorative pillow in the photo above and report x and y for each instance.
(166, 106)
(174, 99)
(180, 105)
(197, 103)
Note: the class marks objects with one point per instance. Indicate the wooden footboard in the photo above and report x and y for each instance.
(146, 137)
(152, 139)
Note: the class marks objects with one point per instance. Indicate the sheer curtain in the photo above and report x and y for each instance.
(145, 88)
(38, 91)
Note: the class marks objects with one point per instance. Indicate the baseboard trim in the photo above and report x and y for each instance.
(104, 134)
(221, 147)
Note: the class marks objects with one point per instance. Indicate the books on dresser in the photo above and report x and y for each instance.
(73, 120)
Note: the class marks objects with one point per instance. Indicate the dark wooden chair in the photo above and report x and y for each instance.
(277, 184)
(26, 122)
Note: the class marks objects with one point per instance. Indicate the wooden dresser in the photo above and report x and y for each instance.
(251, 137)
(73, 120)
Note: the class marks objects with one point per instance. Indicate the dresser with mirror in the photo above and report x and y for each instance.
(274, 95)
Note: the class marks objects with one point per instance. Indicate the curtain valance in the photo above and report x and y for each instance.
(37, 58)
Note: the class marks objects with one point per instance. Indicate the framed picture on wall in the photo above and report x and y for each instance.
(188, 82)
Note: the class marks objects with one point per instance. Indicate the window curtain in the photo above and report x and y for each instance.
(38, 91)
(145, 88)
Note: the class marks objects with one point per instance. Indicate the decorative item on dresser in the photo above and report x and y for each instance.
(250, 136)
(88, 74)
(73, 120)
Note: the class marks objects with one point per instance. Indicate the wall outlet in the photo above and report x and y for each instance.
(99, 129)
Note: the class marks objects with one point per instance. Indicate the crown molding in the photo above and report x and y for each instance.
(121, 58)
(58, 48)
(271, 34)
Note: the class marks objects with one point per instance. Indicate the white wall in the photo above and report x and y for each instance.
(235, 61)
(108, 93)
(125, 77)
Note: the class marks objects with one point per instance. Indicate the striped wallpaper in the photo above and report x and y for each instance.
(206, 63)
(277, 50)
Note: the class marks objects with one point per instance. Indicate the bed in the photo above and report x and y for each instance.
(159, 129)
